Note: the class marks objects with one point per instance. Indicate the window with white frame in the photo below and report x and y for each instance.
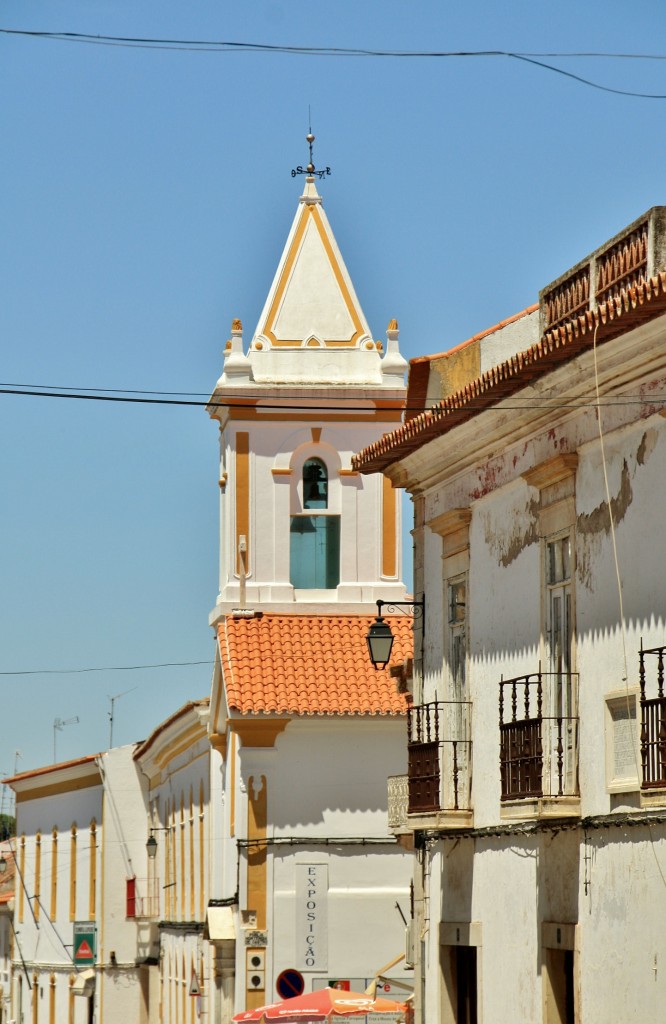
(457, 636)
(559, 635)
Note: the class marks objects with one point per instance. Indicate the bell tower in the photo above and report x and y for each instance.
(299, 529)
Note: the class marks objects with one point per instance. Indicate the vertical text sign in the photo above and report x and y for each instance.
(312, 917)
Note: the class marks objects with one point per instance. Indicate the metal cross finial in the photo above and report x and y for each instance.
(310, 170)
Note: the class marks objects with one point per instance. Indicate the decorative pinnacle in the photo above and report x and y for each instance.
(310, 170)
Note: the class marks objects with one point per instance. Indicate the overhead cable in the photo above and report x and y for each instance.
(232, 46)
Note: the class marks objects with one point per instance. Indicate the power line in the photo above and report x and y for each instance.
(229, 46)
(105, 668)
(493, 401)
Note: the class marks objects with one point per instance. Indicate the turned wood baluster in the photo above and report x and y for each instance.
(644, 726)
(502, 737)
(455, 775)
(560, 759)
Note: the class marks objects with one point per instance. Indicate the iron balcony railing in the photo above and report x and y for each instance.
(439, 755)
(147, 898)
(653, 719)
(538, 720)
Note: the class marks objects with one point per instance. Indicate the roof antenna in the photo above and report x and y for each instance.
(310, 170)
(110, 713)
(58, 725)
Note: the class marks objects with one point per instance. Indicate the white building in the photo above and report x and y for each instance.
(175, 762)
(306, 875)
(79, 954)
(7, 892)
(537, 774)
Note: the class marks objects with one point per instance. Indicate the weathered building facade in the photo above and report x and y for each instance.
(537, 776)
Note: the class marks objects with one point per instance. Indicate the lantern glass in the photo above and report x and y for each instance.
(380, 642)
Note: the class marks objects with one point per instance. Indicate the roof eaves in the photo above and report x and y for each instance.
(556, 346)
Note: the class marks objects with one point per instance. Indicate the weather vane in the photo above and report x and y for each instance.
(310, 169)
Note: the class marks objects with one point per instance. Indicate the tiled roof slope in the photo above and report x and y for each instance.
(634, 306)
(309, 665)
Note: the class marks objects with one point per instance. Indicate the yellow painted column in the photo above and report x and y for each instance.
(54, 874)
(257, 867)
(37, 888)
(242, 496)
(389, 532)
(72, 875)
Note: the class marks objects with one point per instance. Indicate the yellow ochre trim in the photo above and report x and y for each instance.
(52, 992)
(59, 787)
(242, 496)
(22, 872)
(54, 874)
(348, 472)
(218, 741)
(257, 868)
(182, 856)
(202, 859)
(281, 472)
(37, 886)
(192, 872)
(307, 212)
(72, 875)
(187, 739)
(254, 415)
(259, 733)
(92, 890)
(389, 532)
(316, 434)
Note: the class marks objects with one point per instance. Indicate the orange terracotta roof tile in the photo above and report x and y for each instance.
(635, 305)
(309, 665)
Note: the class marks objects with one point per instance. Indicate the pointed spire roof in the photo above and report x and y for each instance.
(312, 302)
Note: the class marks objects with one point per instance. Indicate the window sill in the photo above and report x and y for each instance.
(442, 820)
(540, 808)
(653, 797)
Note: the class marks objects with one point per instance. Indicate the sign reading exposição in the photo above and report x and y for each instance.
(311, 917)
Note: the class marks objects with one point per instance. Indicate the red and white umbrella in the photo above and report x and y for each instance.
(325, 1004)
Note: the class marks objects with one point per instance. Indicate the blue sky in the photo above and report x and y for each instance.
(145, 196)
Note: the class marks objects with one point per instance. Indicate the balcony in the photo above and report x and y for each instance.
(653, 723)
(439, 765)
(626, 260)
(539, 745)
(143, 898)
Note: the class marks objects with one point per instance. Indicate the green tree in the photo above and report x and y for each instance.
(7, 826)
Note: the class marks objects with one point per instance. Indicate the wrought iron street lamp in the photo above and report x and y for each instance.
(151, 844)
(380, 637)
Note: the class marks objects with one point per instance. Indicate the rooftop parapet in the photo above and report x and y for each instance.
(634, 255)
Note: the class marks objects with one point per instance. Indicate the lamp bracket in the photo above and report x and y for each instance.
(416, 607)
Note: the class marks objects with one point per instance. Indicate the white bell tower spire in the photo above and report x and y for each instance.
(312, 388)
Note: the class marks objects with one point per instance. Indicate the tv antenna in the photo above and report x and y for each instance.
(110, 713)
(58, 725)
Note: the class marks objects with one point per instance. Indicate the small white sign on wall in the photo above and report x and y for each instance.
(311, 917)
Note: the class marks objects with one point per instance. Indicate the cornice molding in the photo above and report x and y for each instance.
(259, 732)
(552, 471)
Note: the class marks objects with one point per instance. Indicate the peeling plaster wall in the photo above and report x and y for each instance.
(613, 887)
